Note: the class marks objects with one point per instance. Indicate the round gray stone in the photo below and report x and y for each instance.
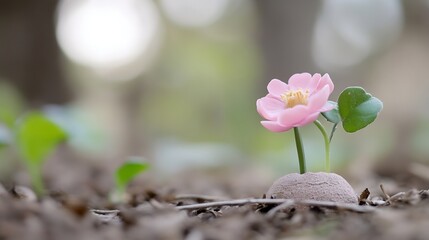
(319, 186)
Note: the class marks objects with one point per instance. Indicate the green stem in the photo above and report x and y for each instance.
(325, 136)
(300, 150)
(36, 179)
(333, 131)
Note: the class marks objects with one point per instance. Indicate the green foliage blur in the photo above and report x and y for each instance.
(204, 91)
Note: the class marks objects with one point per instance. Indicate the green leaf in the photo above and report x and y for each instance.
(332, 116)
(37, 137)
(357, 108)
(129, 170)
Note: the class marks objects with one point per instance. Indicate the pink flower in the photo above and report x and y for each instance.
(295, 104)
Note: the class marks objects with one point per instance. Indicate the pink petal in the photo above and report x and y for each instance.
(318, 99)
(274, 126)
(327, 107)
(326, 80)
(314, 82)
(276, 87)
(291, 116)
(309, 119)
(300, 81)
(269, 108)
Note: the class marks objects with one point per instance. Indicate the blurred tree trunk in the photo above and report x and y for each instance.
(29, 54)
(286, 29)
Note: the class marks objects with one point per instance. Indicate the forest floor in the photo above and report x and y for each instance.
(202, 205)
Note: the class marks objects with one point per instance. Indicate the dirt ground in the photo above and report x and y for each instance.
(158, 210)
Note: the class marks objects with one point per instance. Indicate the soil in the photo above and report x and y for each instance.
(204, 205)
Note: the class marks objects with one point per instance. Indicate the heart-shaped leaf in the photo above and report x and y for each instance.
(357, 108)
(332, 116)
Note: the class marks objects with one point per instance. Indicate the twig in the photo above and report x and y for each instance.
(384, 192)
(105, 211)
(397, 196)
(246, 201)
(198, 197)
(282, 206)
(390, 199)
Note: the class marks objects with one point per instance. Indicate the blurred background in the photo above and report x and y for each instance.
(176, 81)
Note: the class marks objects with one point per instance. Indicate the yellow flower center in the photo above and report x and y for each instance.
(295, 97)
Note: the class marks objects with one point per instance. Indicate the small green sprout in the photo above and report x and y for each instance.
(125, 174)
(355, 110)
(36, 138)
